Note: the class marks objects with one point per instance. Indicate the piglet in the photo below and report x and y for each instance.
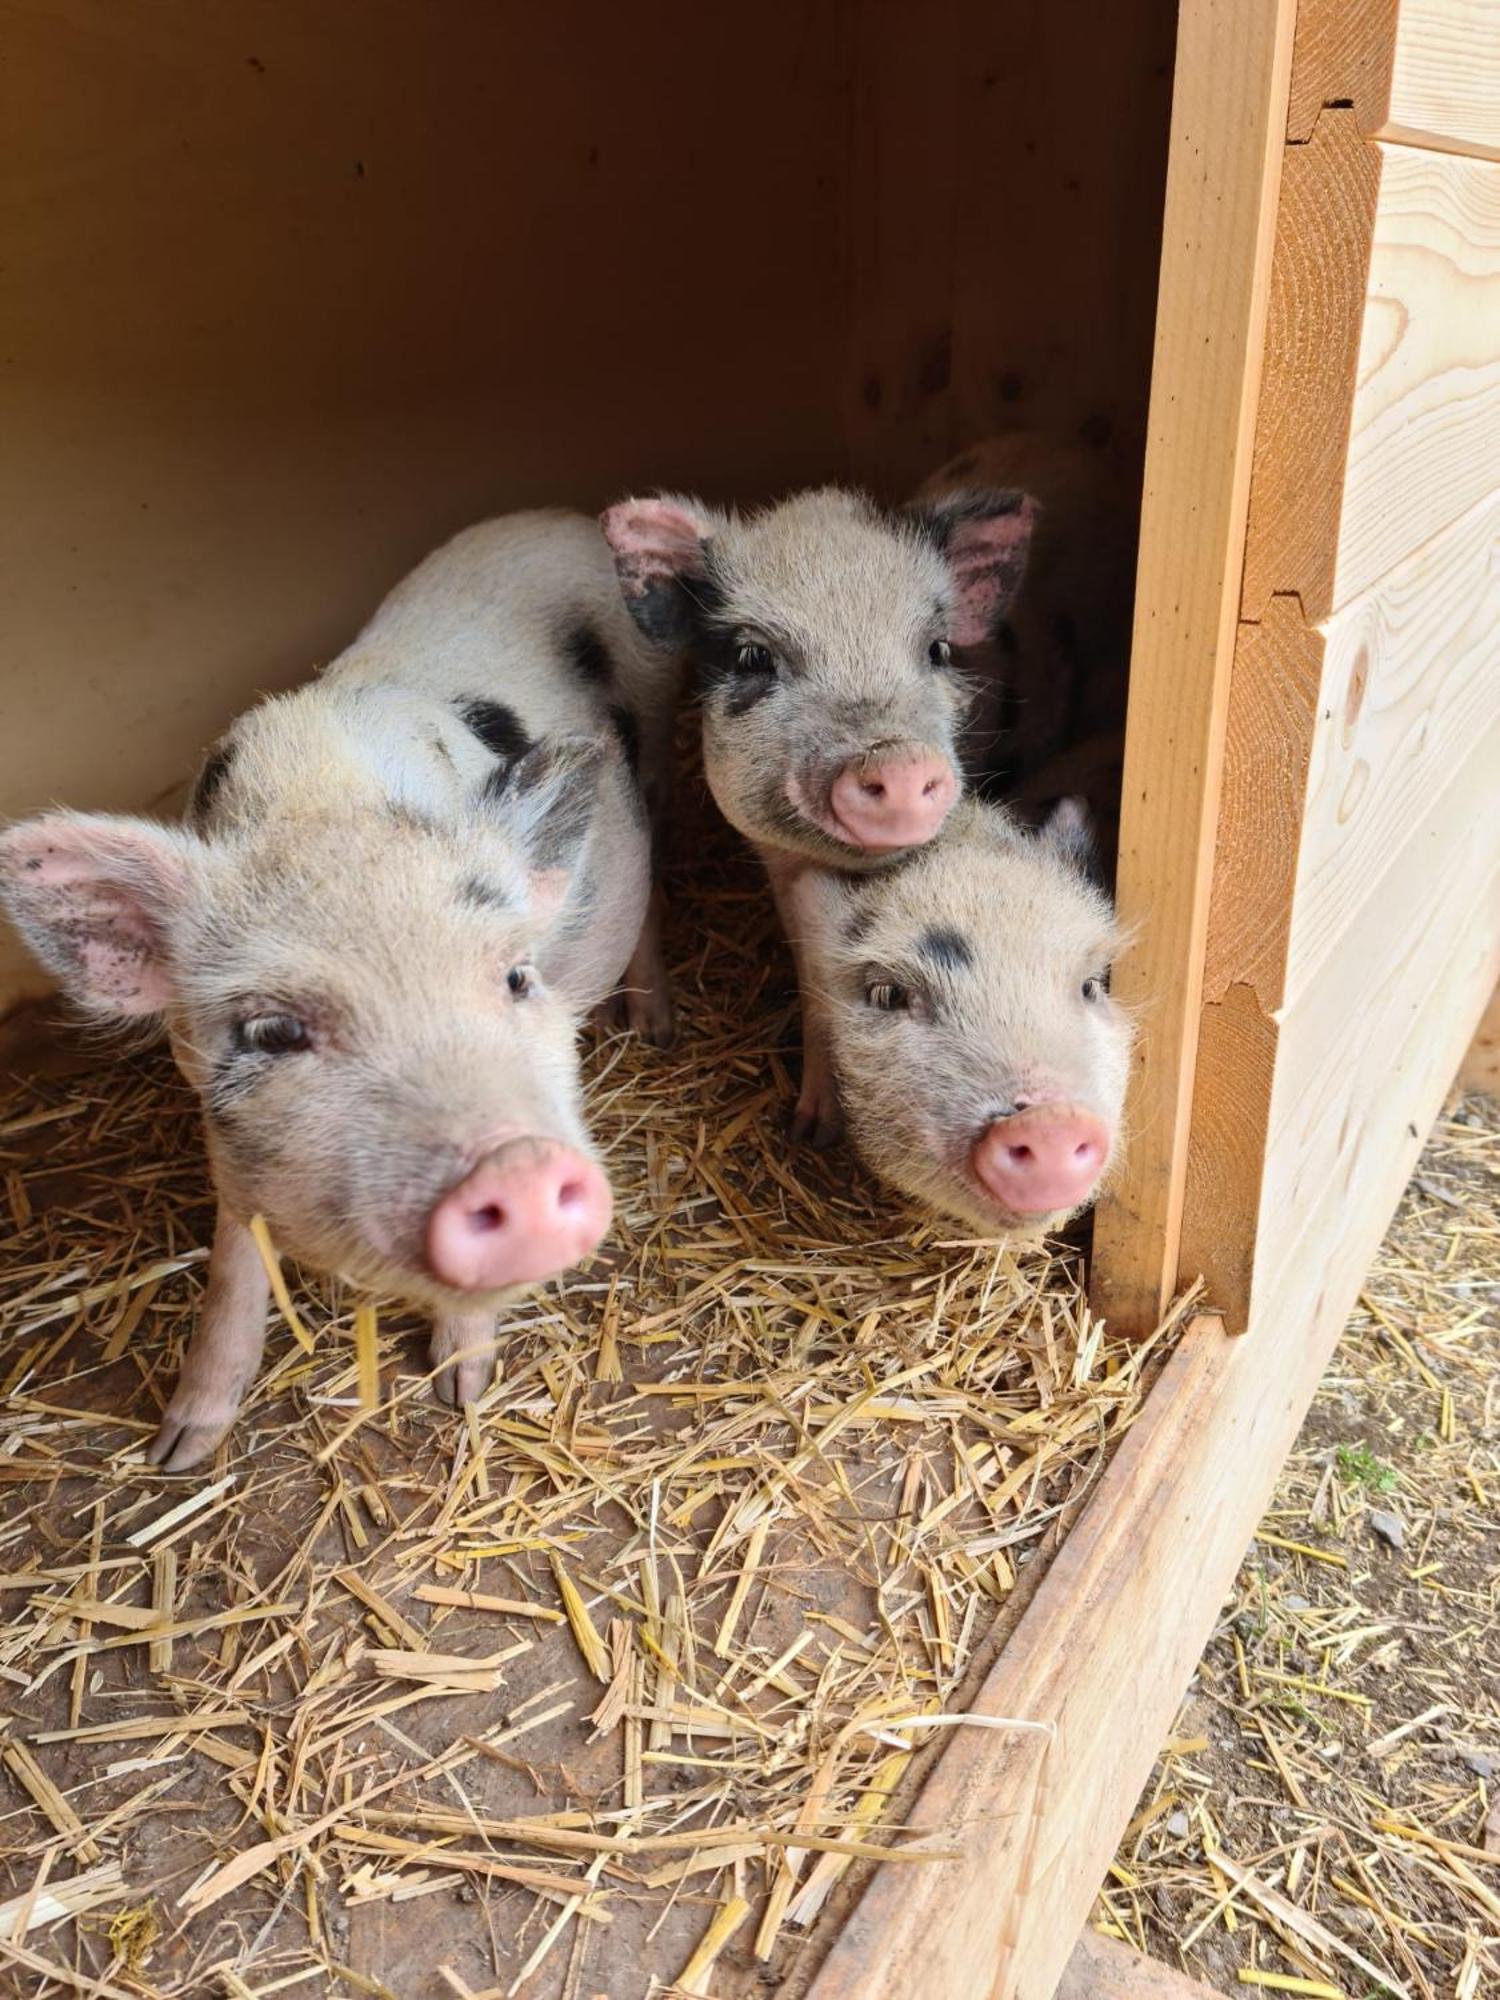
(979, 1057)
(823, 632)
(396, 894)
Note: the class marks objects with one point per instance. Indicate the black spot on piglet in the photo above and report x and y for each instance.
(628, 730)
(498, 728)
(589, 655)
(948, 948)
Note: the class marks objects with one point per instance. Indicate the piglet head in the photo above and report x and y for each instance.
(361, 999)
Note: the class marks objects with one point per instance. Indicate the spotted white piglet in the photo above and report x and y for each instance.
(396, 894)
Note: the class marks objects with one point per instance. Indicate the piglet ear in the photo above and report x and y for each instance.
(658, 546)
(552, 792)
(985, 534)
(1069, 831)
(94, 897)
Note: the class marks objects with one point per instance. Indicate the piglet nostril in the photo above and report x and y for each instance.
(1022, 1155)
(571, 1194)
(485, 1221)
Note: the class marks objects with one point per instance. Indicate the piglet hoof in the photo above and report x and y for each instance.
(460, 1382)
(648, 1010)
(608, 1018)
(818, 1122)
(187, 1436)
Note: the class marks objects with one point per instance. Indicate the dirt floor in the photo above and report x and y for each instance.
(1328, 1807)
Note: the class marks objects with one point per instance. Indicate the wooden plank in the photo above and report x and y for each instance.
(1417, 960)
(1344, 54)
(1410, 693)
(1273, 703)
(1226, 1150)
(1228, 113)
(1338, 744)
(1424, 74)
(1425, 440)
(1357, 1089)
(1324, 233)
(1380, 415)
(1445, 90)
(1102, 1968)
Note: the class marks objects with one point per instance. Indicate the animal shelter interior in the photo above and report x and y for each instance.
(800, 1608)
(298, 291)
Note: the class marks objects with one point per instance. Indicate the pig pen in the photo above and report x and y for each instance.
(295, 291)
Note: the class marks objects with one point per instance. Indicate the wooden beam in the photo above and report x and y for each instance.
(1102, 1968)
(1228, 116)
(1324, 233)
(1426, 74)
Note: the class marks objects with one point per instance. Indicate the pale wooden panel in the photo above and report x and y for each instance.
(1339, 743)
(1368, 1049)
(1425, 439)
(1410, 694)
(1228, 112)
(1445, 89)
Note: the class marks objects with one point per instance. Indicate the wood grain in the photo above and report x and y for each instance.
(1424, 73)
(1102, 1968)
(1324, 231)
(897, 398)
(1368, 1052)
(1410, 694)
(1273, 700)
(1445, 89)
(1425, 438)
(1228, 114)
(1226, 1151)
(1344, 54)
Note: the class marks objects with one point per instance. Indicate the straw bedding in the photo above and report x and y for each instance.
(606, 1686)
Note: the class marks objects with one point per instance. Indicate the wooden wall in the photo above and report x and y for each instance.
(1295, 1051)
(292, 290)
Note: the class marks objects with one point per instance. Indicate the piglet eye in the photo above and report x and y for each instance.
(1093, 989)
(272, 1034)
(518, 979)
(940, 653)
(888, 997)
(753, 658)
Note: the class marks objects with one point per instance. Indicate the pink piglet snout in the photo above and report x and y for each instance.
(894, 801)
(522, 1214)
(1044, 1159)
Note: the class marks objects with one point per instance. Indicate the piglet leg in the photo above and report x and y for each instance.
(223, 1354)
(643, 1000)
(462, 1352)
(818, 1117)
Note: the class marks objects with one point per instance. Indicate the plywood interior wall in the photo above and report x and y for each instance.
(293, 289)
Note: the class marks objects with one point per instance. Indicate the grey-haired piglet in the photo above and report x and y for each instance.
(980, 1059)
(823, 631)
(396, 894)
